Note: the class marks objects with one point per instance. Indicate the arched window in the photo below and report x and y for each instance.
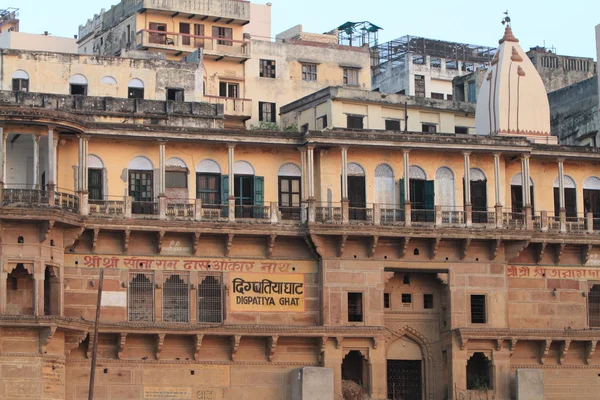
(208, 183)
(176, 174)
(422, 194)
(141, 185)
(96, 178)
(248, 191)
(478, 196)
(290, 184)
(591, 198)
(20, 81)
(357, 195)
(444, 188)
(417, 173)
(79, 85)
(570, 197)
(135, 89)
(516, 193)
(176, 297)
(140, 295)
(108, 80)
(385, 191)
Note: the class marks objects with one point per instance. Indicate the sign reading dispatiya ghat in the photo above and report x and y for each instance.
(537, 272)
(267, 293)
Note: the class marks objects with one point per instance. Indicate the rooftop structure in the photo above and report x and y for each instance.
(358, 34)
(559, 71)
(9, 19)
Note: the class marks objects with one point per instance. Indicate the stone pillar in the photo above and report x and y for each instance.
(230, 172)
(501, 373)
(3, 136)
(561, 183)
(344, 173)
(497, 178)
(128, 204)
(36, 161)
(84, 159)
(161, 169)
(438, 215)
(162, 207)
(51, 160)
(38, 288)
(303, 205)
(80, 164)
(544, 222)
(274, 213)
(198, 210)
(3, 283)
(311, 172)
(589, 220)
(467, 180)
(407, 205)
(527, 193)
(193, 298)
(377, 214)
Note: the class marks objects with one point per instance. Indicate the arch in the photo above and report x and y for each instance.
(404, 350)
(517, 180)
(355, 169)
(592, 183)
(78, 79)
(444, 187)
(289, 169)
(208, 166)
(95, 162)
(569, 182)
(136, 83)
(108, 80)
(385, 188)
(176, 162)
(243, 168)
(477, 175)
(417, 173)
(141, 163)
(20, 74)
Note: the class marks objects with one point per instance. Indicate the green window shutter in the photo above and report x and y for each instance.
(429, 195)
(402, 194)
(224, 188)
(259, 190)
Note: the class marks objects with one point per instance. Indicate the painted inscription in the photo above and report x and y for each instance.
(257, 292)
(526, 272)
(167, 393)
(188, 264)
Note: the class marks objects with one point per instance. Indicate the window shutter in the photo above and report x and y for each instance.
(259, 190)
(224, 188)
(402, 194)
(273, 110)
(260, 111)
(429, 200)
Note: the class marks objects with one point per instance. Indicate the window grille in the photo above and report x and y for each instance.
(309, 72)
(355, 307)
(210, 298)
(351, 76)
(386, 300)
(594, 306)
(406, 298)
(428, 301)
(140, 294)
(176, 297)
(478, 309)
(267, 68)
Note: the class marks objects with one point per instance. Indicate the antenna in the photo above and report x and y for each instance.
(506, 19)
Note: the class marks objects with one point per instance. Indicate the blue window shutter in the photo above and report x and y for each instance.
(259, 190)
(429, 196)
(224, 188)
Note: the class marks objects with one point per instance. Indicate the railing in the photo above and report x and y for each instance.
(253, 212)
(452, 216)
(537, 222)
(150, 208)
(286, 213)
(513, 220)
(391, 215)
(483, 217)
(360, 214)
(553, 223)
(232, 105)
(66, 201)
(187, 42)
(576, 224)
(328, 213)
(107, 208)
(32, 198)
(214, 212)
(422, 217)
(179, 210)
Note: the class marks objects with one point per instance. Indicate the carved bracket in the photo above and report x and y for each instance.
(404, 248)
(466, 244)
(338, 342)
(228, 244)
(95, 239)
(496, 245)
(315, 244)
(586, 251)
(512, 343)
(564, 348)
(540, 252)
(160, 341)
(197, 345)
(271, 245)
(76, 239)
(544, 349)
(72, 341)
(376, 342)
(342, 245)
(126, 236)
(590, 349)
(159, 241)
(271, 346)
(374, 242)
(121, 345)
(235, 345)
(196, 241)
(323, 343)
(90, 345)
(462, 341)
(46, 230)
(435, 245)
(559, 252)
(46, 334)
(499, 343)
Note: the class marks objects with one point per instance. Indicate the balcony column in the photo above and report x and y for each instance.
(36, 161)
(230, 171)
(303, 207)
(467, 188)
(345, 203)
(3, 136)
(498, 206)
(51, 165)
(561, 194)
(407, 205)
(527, 209)
(311, 184)
(162, 197)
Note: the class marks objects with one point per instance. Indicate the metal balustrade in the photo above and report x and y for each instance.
(422, 217)
(148, 208)
(253, 212)
(360, 214)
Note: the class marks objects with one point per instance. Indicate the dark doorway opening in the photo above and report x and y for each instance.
(357, 198)
(516, 199)
(19, 292)
(478, 372)
(404, 380)
(570, 202)
(51, 292)
(354, 375)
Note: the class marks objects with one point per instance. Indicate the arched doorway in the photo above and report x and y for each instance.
(478, 196)
(570, 197)
(516, 194)
(405, 370)
(290, 184)
(384, 186)
(357, 195)
(354, 375)
(591, 198)
(141, 186)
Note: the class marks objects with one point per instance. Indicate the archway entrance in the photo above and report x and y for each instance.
(404, 370)
(354, 375)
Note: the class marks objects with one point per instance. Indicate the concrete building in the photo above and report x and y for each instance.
(259, 26)
(347, 108)
(322, 264)
(423, 67)
(559, 71)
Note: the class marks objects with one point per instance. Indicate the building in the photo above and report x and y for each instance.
(12, 38)
(559, 71)
(342, 108)
(423, 67)
(259, 26)
(400, 264)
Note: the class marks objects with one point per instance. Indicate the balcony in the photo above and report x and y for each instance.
(233, 106)
(217, 48)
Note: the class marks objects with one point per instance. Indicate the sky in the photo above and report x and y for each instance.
(567, 26)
